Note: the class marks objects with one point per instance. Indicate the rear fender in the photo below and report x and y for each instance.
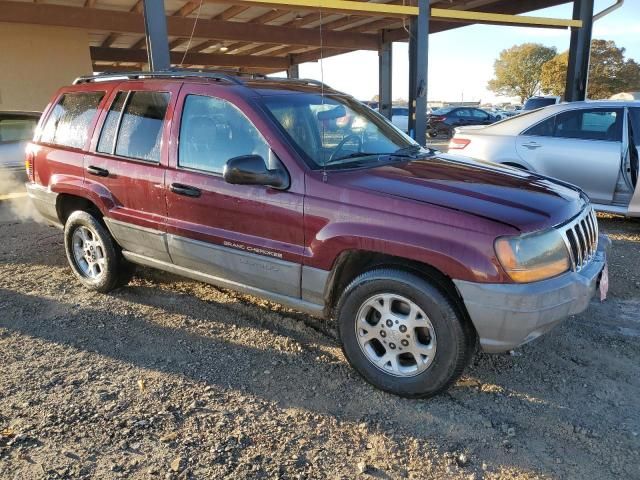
(94, 192)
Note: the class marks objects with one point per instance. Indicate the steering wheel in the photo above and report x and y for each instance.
(342, 143)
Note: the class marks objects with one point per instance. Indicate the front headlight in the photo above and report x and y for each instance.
(534, 256)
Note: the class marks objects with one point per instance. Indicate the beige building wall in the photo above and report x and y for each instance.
(36, 60)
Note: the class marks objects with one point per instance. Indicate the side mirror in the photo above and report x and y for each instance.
(252, 170)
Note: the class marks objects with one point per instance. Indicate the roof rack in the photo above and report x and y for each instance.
(173, 73)
(231, 77)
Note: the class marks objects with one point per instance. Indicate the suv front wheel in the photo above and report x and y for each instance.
(402, 334)
(93, 255)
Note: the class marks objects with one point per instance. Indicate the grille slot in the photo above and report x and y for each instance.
(581, 238)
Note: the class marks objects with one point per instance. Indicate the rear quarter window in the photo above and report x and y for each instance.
(69, 122)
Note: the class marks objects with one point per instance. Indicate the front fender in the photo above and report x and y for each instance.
(458, 253)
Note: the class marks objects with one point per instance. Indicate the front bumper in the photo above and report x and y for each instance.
(508, 315)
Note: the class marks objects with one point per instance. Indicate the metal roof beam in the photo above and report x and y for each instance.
(100, 54)
(127, 22)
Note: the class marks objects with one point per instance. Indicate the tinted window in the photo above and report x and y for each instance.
(597, 124)
(462, 112)
(400, 111)
(16, 129)
(108, 134)
(140, 133)
(479, 114)
(634, 116)
(542, 129)
(213, 131)
(69, 122)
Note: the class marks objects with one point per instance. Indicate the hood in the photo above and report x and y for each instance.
(520, 199)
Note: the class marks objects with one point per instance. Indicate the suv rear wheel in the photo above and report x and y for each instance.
(402, 334)
(93, 255)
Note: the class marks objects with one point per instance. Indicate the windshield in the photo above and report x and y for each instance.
(335, 131)
(442, 111)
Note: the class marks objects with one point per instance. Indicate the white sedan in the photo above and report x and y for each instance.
(592, 144)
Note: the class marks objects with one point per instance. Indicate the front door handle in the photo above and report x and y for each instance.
(100, 172)
(531, 145)
(186, 190)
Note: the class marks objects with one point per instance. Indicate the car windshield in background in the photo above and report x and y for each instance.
(334, 131)
(535, 103)
(442, 111)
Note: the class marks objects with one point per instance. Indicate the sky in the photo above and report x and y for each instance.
(461, 60)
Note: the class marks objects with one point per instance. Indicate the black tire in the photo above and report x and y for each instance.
(455, 339)
(116, 272)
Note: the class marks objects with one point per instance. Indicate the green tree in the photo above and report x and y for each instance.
(609, 72)
(517, 70)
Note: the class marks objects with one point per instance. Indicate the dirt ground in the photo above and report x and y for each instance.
(169, 378)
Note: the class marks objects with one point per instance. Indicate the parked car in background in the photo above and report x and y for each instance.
(400, 118)
(534, 103)
(443, 120)
(592, 144)
(16, 131)
(257, 185)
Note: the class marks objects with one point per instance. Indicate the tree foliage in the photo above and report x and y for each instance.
(609, 72)
(517, 70)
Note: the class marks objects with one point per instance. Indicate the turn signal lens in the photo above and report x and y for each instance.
(458, 143)
(28, 164)
(532, 257)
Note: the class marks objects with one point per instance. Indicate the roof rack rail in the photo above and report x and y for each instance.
(302, 81)
(173, 73)
(231, 77)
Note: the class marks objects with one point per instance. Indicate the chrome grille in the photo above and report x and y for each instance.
(581, 238)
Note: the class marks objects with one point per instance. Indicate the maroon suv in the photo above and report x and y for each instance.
(295, 192)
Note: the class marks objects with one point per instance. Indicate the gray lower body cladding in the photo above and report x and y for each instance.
(508, 315)
(290, 283)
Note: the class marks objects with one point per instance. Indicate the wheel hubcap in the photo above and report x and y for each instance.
(88, 253)
(395, 335)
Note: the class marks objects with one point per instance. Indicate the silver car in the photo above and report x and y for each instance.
(591, 144)
(16, 130)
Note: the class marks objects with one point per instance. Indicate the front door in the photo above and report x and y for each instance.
(582, 147)
(252, 235)
(128, 163)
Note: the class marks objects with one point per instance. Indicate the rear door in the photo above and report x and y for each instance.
(581, 146)
(634, 158)
(252, 235)
(127, 166)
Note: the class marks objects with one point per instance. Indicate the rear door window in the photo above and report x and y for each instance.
(106, 144)
(634, 116)
(140, 131)
(542, 129)
(70, 120)
(590, 124)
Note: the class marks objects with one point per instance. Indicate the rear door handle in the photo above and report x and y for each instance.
(531, 145)
(100, 172)
(186, 190)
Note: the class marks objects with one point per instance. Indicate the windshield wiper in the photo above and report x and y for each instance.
(405, 152)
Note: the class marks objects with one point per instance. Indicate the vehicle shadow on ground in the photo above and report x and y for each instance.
(452, 421)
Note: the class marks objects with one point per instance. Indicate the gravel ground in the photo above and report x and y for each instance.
(168, 378)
